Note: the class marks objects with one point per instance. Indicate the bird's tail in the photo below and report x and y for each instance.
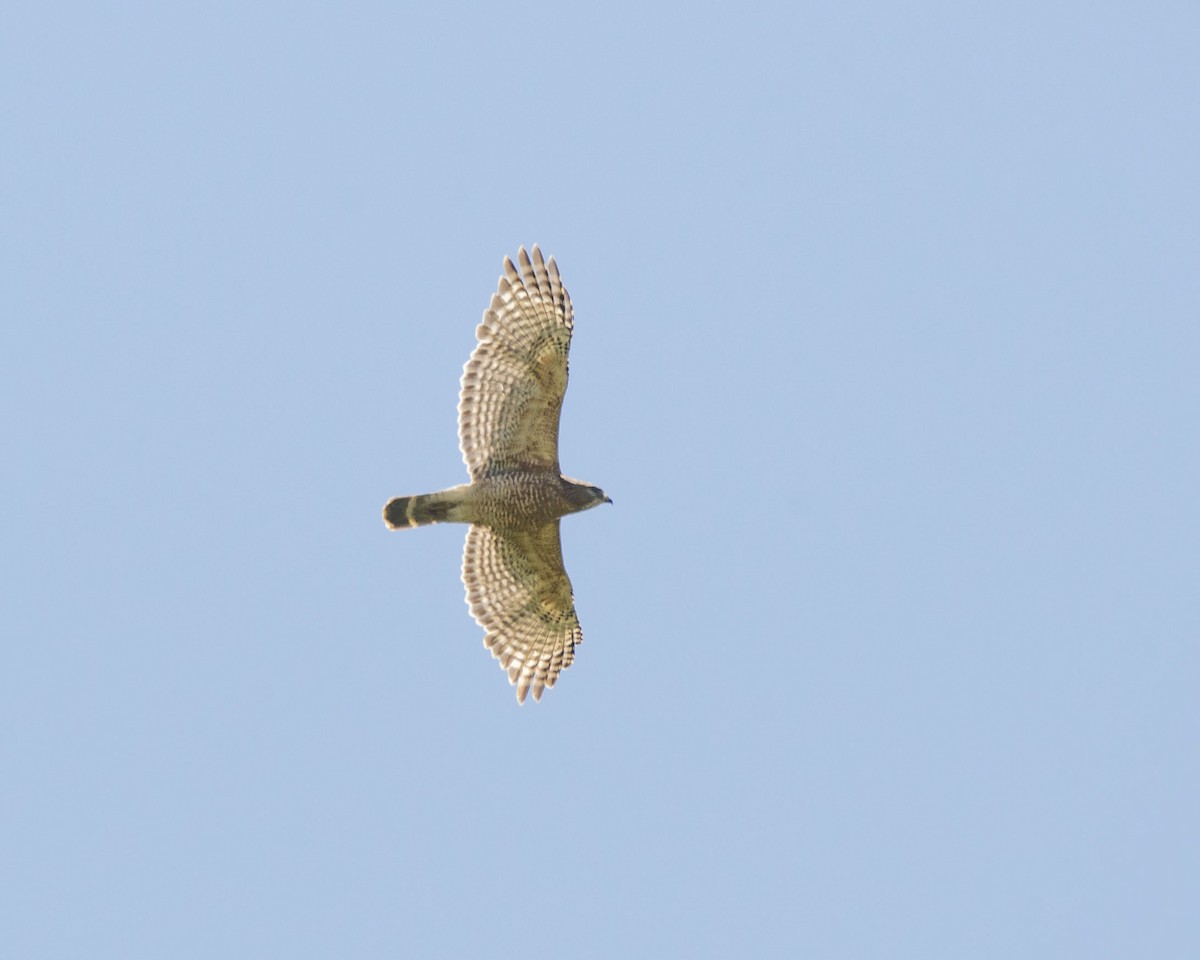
(422, 508)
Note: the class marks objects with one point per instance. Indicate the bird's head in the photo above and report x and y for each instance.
(584, 495)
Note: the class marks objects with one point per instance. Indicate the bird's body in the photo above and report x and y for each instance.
(509, 407)
(516, 498)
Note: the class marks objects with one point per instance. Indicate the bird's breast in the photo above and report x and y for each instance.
(520, 499)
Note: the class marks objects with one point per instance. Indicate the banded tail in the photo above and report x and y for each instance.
(421, 509)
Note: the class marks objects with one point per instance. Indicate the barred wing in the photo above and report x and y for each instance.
(519, 593)
(513, 384)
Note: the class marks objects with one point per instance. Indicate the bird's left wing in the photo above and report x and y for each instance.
(519, 592)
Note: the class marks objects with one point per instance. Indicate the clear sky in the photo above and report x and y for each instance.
(887, 350)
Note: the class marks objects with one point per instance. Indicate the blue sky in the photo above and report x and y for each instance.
(886, 350)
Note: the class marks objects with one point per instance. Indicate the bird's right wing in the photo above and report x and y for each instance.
(518, 591)
(513, 383)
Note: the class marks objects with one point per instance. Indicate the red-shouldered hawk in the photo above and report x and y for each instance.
(508, 413)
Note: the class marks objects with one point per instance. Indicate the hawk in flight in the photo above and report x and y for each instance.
(508, 413)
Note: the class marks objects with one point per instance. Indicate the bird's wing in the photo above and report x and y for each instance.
(519, 593)
(513, 383)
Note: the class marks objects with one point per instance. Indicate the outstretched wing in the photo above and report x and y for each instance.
(513, 384)
(519, 593)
